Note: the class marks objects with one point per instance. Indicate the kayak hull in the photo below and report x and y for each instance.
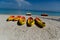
(30, 21)
(11, 18)
(21, 21)
(17, 18)
(40, 23)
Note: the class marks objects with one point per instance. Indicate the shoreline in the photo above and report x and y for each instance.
(31, 15)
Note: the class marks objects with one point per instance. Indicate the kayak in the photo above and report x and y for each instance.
(17, 18)
(30, 21)
(11, 18)
(39, 22)
(21, 21)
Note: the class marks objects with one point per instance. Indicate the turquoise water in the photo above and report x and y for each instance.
(24, 12)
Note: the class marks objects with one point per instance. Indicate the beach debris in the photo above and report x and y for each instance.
(30, 22)
(28, 14)
(21, 21)
(44, 14)
(39, 22)
(11, 18)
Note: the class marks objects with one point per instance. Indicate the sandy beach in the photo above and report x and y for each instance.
(11, 31)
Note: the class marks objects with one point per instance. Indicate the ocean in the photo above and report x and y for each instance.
(23, 12)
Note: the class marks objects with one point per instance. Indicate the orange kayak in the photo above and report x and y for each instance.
(11, 18)
(30, 21)
(17, 18)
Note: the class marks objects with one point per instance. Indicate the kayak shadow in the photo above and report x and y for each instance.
(53, 19)
(19, 23)
(27, 24)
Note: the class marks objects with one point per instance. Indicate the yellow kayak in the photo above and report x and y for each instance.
(39, 23)
(30, 21)
(11, 18)
(21, 21)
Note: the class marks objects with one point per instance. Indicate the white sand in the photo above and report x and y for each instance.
(11, 31)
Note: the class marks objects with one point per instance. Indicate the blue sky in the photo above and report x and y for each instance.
(50, 5)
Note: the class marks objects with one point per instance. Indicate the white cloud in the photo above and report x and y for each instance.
(23, 2)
